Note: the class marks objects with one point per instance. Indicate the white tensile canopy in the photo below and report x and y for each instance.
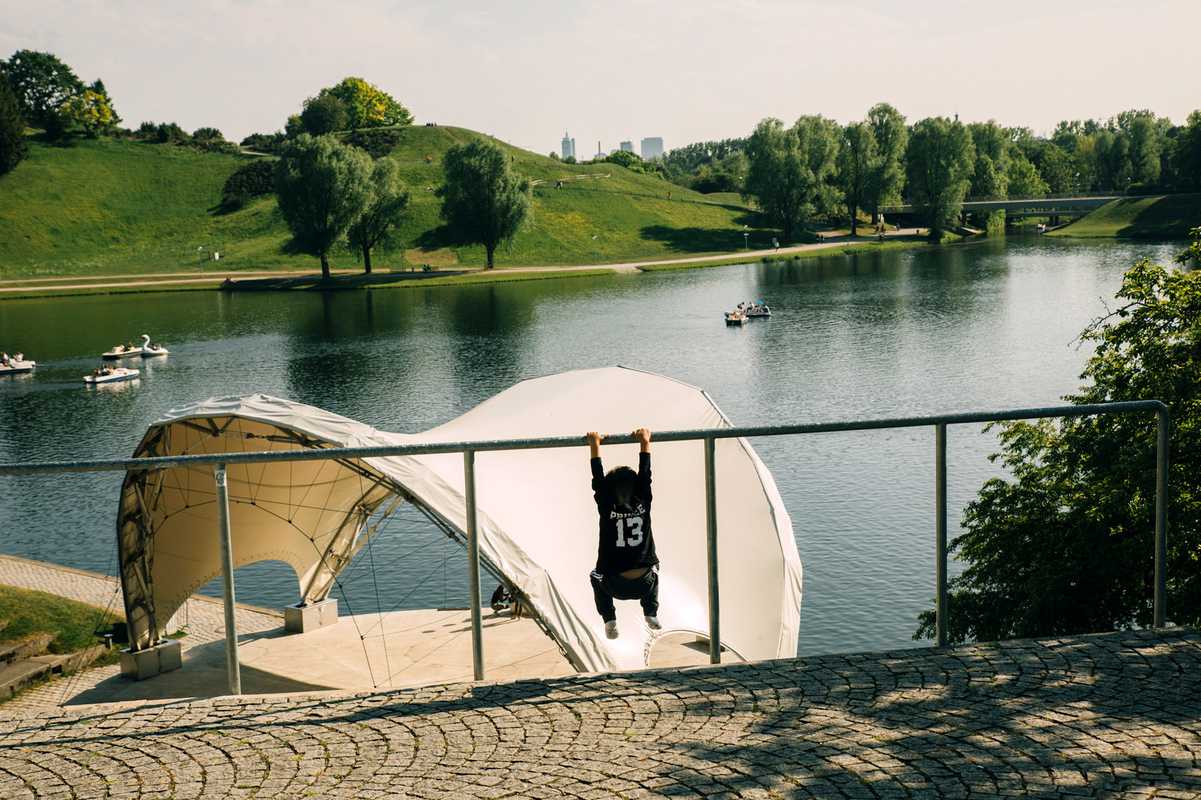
(537, 518)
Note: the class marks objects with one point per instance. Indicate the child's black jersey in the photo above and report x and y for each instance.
(626, 541)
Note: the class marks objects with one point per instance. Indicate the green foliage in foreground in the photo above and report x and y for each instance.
(1064, 546)
(72, 624)
(1162, 217)
(105, 207)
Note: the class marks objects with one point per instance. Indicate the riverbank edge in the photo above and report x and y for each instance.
(502, 275)
(68, 571)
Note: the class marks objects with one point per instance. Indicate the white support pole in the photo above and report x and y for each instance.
(232, 668)
(473, 566)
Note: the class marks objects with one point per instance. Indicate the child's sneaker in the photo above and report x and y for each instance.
(653, 623)
(611, 629)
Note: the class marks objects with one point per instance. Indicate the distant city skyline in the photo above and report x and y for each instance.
(517, 71)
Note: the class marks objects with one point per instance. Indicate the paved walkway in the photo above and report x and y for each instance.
(1110, 715)
(203, 619)
(173, 279)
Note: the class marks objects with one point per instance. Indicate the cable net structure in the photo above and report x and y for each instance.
(537, 522)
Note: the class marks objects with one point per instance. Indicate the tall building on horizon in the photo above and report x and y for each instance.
(652, 147)
(627, 147)
(567, 147)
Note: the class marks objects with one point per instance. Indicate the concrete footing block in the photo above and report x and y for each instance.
(301, 618)
(142, 664)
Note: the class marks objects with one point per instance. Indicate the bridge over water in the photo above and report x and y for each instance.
(1029, 206)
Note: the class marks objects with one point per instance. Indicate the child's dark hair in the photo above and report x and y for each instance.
(622, 480)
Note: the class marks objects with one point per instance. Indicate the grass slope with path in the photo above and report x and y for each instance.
(101, 207)
(1163, 217)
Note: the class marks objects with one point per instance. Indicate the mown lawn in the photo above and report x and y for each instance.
(73, 625)
(101, 207)
(1164, 217)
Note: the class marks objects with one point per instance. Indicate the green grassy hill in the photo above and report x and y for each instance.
(1164, 217)
(110, 207)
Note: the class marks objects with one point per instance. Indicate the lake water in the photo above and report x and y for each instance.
(981, 326)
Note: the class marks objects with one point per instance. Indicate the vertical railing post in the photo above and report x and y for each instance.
(940, 533)
(473, 566)
(1164, 427)
(711, 551)
(233, 670)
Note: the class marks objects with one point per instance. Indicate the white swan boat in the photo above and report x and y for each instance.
(110, 375)
(121, 351)
(149, 350)
(17, 365)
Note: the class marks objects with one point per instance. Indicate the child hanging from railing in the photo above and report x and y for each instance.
(626, 565)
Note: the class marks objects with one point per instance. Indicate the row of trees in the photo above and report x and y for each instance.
(51, 96)
(812, 168)
(817, 169)
(328, 190)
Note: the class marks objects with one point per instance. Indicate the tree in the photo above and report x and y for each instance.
(89, 111)
(1023, 179)
(368, 106)
(1064, 545)
(624, 158)
(1144, 141)
(324, 114)
(940, 160)
(483, 201)
(887, 177)
(42, 83)
(383, 214)
(990, 174)
(855, 162)
(789, 170)
(323, 186)
(12, 128)
(1187, 153)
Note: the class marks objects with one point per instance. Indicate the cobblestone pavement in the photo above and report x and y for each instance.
(1107, 715)
(202, 617)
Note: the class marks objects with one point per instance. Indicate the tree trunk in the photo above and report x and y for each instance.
(366, 258)
(491, 248)
(875, 213)
(854, 220)
(324, 267)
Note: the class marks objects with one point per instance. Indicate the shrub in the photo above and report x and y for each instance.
(253, 179)
(207, 135)
(265, 142)
(324, 114)
(377, 143)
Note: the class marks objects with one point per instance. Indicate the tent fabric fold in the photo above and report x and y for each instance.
(537, 521)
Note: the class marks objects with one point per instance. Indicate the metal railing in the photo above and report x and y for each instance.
(709, 436)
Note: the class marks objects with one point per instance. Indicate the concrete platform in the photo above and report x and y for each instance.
(371, 651)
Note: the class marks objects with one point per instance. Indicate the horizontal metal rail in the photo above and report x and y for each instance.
(468, 449)
(485, 445)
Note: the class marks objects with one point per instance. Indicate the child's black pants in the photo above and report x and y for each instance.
(607, 588)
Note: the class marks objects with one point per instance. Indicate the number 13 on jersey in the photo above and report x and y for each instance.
(629, 531)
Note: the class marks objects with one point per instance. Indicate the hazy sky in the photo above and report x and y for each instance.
(616, 69)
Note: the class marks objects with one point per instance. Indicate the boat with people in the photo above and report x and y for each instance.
(735, 317)
(149, 350)
(108, 374)
(15, 364)
(757, 309)
(128, 350)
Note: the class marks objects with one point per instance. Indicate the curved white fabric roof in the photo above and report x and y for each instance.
(537, 518)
